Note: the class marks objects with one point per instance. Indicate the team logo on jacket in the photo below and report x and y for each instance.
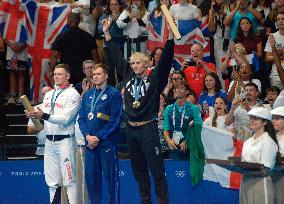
(157, 150)
(104, 97)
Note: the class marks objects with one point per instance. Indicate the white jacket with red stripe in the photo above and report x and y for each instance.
(67, 104)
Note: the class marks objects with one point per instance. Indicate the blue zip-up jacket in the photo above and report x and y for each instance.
(110, 103)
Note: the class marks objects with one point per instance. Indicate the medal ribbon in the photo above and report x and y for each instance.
(137, 90)
(94, 102)
(52, 103)
(174, 117)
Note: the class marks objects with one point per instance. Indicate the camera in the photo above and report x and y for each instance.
(134, 8)
(190, 62)
(236, 68)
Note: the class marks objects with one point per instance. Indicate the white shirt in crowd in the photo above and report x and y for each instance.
(260, 150)
(220, 123)
(132, 29)
(22, 55)
(185, 11)
(241, 123)
(242, 91)
(280, 139)
(274, 77)
(88, 23)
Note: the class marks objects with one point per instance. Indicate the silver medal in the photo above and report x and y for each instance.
(90, 116)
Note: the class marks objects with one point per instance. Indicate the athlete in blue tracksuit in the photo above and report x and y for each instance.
(101, 134)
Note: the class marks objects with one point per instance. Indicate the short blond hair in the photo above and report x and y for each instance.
(102, 66)
(141, 56)
(240, 49)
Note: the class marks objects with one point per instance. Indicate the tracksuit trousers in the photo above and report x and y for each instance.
(145, 154)
(102, 158)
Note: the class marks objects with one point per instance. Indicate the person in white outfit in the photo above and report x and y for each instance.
(134, 21)
(257, 186)
(59, 111)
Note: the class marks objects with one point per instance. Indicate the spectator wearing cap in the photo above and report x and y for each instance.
(196, 69)
(261, 149)
(279, 100)
(278, 177)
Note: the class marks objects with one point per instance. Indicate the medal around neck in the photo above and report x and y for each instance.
(136, 104)
(90, 116)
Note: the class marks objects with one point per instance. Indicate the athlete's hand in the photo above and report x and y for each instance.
(171, 144)
(183, 147)
(34, 114)
(93, 141)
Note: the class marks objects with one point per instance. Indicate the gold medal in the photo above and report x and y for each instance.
(136, 104)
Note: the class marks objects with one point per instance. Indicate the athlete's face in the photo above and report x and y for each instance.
(138, 66)
(180, 91)
(99, 76)
(61, 76)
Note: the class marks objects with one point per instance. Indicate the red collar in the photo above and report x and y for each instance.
(66, 85)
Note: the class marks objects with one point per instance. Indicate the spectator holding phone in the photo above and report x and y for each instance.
(217, 14)
(134, 21)
(242, 76)
(196, 69)
(238, 112)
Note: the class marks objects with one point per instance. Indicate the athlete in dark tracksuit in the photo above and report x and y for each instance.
(104, 156)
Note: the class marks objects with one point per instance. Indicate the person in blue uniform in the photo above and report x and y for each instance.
(99, 120)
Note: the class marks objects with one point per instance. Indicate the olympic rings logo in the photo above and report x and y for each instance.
(180, 174)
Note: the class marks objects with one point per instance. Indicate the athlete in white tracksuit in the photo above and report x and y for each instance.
(59, 111)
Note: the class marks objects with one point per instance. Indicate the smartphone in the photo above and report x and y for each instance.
(134, 8)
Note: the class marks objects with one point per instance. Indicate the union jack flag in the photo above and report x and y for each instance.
(158, 32)
(44, 23)
(12, 26)
(191, 33)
